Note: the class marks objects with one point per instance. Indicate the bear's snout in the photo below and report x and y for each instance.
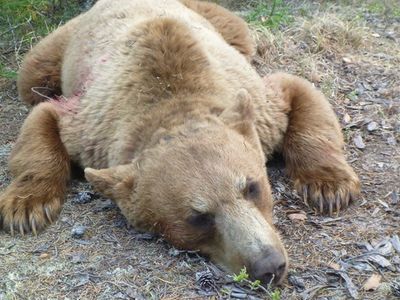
(270, 268)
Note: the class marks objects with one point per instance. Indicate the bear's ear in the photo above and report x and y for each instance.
(115, 183)
(241, 111)
(241, 117)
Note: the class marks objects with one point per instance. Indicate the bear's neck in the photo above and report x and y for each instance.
(163, 125)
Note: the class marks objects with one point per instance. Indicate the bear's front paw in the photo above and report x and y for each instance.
(25, 208)
(327, 195)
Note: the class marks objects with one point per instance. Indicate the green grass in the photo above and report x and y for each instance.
(241, 276)
(6, 72)
(243, 279)
(21, 17)
(24, 22)
(271, 14)
(389, 8)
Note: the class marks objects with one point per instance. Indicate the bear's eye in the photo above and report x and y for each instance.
(252, 190)
(201, 221)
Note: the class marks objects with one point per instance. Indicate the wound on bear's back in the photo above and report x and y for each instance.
(66, 106)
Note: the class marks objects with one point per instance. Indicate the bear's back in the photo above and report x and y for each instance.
(104, 30)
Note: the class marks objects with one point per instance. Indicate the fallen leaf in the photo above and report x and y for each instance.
(347, 60)
(297, 217)
(372, 283)
(44, 255)
(334, 266)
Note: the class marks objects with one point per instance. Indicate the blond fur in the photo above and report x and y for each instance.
(163, 100)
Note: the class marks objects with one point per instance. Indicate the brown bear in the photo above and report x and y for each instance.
(158, 102)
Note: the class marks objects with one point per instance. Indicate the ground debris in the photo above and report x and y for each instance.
(395, 240)
(104, 205)
(352, 289)
(372, 283)
(298, 217)
(396, 288)
(206, 281)
(78, 231)
(358, 141)
(41, 249)
(376, 253)
(297, 282)
(236, 292)
(79, 279)
(313, 291)
(77, 258)
(83, 197)
(395, 198)
(391, 141)
(372, 126)
(145, 236)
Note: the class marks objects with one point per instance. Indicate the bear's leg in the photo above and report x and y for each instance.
(39, 77)
(232, 28)
(41, 167)
(313, 146)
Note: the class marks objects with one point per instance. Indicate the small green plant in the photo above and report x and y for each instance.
(276, 295)
(7, 73)
(255, 284)
(243, 279)
(272, 14)
(353, 95)
(241, 276)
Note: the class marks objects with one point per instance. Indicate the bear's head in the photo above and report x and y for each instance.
(205, 187)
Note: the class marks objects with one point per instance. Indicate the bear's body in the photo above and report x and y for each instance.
(189, 68)
(161, 96)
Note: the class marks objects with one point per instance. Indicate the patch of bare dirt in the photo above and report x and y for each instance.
(91, 253)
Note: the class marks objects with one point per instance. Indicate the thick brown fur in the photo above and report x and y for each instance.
(313, 146)
(233, 29)
(163, 109)
(40, 74)
(40, 165)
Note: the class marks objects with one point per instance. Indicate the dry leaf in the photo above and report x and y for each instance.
(346, 118)
(347, 60)
(44, 255)
(334, 266)
(297, 217)
(372, 283)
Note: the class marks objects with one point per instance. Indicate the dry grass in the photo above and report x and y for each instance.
(351, 51)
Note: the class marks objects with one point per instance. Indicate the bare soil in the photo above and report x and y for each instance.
(353, 55)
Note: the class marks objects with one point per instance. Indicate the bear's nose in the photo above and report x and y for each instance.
(270, 268)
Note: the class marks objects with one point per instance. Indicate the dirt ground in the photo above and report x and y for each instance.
(351, 52)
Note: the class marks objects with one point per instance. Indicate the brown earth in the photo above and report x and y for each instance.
(353, 55)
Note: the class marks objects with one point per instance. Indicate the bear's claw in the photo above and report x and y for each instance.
(24, 213)
(328, 197)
